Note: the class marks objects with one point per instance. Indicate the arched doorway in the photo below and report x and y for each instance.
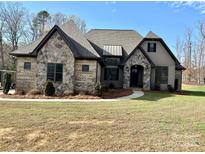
(136, 77)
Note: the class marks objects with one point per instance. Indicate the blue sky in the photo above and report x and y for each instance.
(168, 20)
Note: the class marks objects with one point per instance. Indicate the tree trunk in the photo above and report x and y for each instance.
(1, 51)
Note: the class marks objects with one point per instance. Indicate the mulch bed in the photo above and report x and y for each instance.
(112, 93)
(15, 96)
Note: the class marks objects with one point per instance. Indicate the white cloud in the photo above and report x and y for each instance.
(112, 5)
(110, 2)
(200, 6)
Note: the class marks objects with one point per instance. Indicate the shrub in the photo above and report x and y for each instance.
(20, 92)
(34, 92)
(50, 89)
(98, 89)
(111, 86)
(7, 78)
(170, 88)
(67, 93)
(105, 88)
(82, 93)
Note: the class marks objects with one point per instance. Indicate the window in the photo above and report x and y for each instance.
(85, 68)
(111, 73)
(55, 72)
(112, 61)
(162, 75)
(27, 65)
(151, 47)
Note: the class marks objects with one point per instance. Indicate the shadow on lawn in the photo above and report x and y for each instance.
(155, 96)
(194, 93)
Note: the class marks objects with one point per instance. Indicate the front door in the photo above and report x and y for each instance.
(136, 78)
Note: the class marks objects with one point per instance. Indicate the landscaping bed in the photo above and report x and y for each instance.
(111, 93)
(114, 93)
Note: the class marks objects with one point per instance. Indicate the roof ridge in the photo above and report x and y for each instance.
(113, 29)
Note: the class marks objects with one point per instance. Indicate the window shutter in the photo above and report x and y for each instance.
(148, 47)
(154, 47)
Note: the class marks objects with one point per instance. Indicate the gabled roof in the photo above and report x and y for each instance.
(151, 35)
(28, 49)
(72, 36)
(128, 39)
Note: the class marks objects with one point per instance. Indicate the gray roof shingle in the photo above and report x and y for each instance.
(151, 35)
(71, 32)
(128, 39)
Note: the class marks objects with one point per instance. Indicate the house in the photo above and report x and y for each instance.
(116, 58)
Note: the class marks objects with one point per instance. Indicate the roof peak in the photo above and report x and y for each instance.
(151, 34)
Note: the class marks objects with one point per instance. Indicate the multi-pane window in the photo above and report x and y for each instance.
(85, 68)
(111, 73)
(162, 75)
(151, 47)
(55, 72)
(27, 65)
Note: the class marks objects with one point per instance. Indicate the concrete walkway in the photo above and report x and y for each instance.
(135, 94)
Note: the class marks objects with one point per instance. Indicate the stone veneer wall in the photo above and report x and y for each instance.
(25, 79)
(137, 59)
(85, 81)
(56, 51)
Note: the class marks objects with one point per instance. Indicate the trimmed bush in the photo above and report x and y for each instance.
(7, 81)
(111, 86)
(82, 93)
(50, 89)
(98, 89)
(20, 92)
(34, 92)
(170, 88)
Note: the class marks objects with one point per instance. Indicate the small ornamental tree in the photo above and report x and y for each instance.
(7, 81)
(49, 89)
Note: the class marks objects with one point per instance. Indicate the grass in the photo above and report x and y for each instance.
(154, 122)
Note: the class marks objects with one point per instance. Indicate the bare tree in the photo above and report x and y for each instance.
(1, 41)
(57, 19)
(201, 50)
(187, 49)
(80, 23)
(179, 51)
(14, 16)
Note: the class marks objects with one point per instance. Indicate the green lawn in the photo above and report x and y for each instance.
(154, 122)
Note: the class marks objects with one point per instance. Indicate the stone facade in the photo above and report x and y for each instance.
(137, 59)
(56, 51)
(25, 79)
(74, 79)
(85, 81)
